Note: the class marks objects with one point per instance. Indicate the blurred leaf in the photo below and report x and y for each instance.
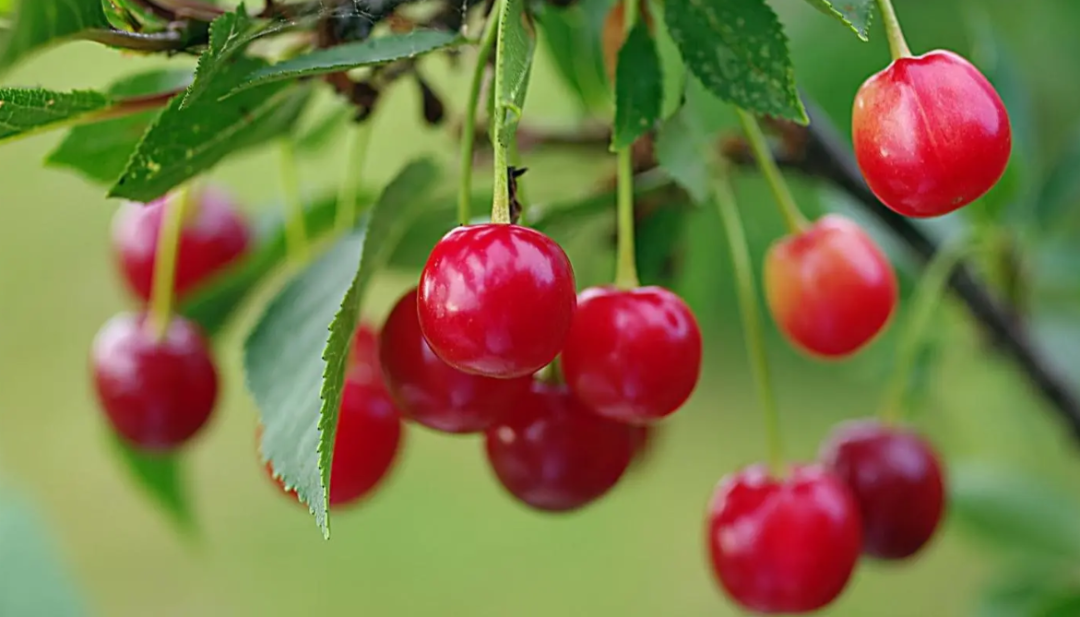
(329, 126)
(161, 477)
(1016, 512)
(1059, 192)
(639, 87)
(513, 56)
(353, 55)
(295, 369)
(1031, 590)
(33, 581)
(28, 110)
(658, 243)
(685, 142)
(100, 151)
(855, 14)
(745, 64)
(184, 143)
(39, 23)
(671, 66)
(573, 43)
(229, 34)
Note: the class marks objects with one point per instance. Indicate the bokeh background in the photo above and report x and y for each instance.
(442, 538)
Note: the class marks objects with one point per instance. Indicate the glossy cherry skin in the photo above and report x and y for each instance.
(830, 288)
(783, 546)
(931, 134)
(214, 235)
(898, 482)
(496, 300)
(433, 393)
(156, 394)
(554, 455)
(632, 355)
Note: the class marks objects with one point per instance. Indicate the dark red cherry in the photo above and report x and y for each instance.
(553, 454)
(783, 545)
(156, 393)
(931, 134)
(830, 288)
(897, 479)
(430, 391)
(214, 235)
(632, 355)
(496, 300)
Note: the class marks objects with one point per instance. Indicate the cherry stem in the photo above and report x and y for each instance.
(930, 289)
(626, 275)
(898, 46)
(794, 219)
(359, 138)
(168, 246)
(751, 318)
(500, 202)
(468, 130)
(296, 239)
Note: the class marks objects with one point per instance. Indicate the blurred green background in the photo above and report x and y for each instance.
(442, 538)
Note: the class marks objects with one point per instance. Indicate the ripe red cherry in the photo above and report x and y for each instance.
(896, 477)
(931, 134)
(157, 394)
(554, 455)
(830, 288)
(214, 235)
(496, 300)
(632, 355)
(783, 546)
(363, 362)
(430, 391)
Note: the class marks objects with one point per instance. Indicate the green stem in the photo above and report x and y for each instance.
(626, 275)
(468, 129)
(794, 219)
(930, 289)
(898, 46)
(359, 138)
(500, 201)
(751, 318)
(296, 238)
(168, 245)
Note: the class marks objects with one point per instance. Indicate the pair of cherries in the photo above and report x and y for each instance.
(158, 391)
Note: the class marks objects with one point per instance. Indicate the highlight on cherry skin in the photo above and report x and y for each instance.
(897, 479)
(496, 300)
(156, 394)
(632, 355)
(783, 546)
(931, 134)
(214, 235)
(830, 288)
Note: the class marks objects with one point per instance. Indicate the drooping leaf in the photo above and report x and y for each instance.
(514, 51)
(294, 358)
(738, 49)
(685, 142)
(855, 14)
(573, 43)
(639, 87)
(33, 581)
(29, 110)
(39, 23)
(161, 476)
(229, 34)
(370, 52)
(100, 151)
(184, 143)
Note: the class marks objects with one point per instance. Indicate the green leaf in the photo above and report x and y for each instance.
(184, 143)
(685, 142)
(572, 40)
(514, 53)
(639, 87)
(855, 14)
(33, 581)
(1016, 512)
(1059, 191)
(100, 151)
(737, 48)
(229, 34)
(161, 476)
(25, 111)
(1031, 590)
(39, 23)
(326, 128)
(295, 368)
(350, 56)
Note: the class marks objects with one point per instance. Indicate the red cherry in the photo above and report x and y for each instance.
(554, 455)
(496, 300)
(157, 394)
(931, 134)
(896, 478)
(830, 288)
(783, 546)
(430, 391)
(632, 355)
(214, 235)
